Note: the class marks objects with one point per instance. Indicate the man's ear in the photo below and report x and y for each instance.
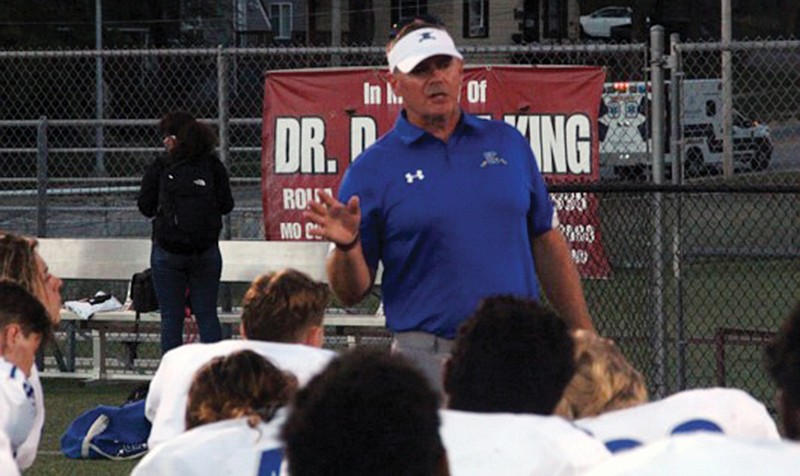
(315, 336)
(12, 333)
(8, 337)
(394, 84)
(3, 339)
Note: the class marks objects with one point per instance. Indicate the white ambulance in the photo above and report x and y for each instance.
(624, 130)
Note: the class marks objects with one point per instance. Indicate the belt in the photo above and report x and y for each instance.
(424, 340)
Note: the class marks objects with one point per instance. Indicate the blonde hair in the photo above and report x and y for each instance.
(604, 380)
(18, 263)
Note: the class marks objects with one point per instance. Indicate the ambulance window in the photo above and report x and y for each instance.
(711, 108)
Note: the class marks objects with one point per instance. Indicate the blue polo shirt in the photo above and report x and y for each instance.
(451, 222)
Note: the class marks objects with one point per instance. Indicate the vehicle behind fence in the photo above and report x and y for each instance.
(702, 270)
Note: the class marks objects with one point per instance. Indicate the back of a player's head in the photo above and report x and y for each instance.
(604, 380)
(783, 365)
(242, 384)
(368, 412)
(20, 307)
(282, 306)
(512, 355)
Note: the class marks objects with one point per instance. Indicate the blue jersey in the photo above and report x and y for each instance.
(451, 222)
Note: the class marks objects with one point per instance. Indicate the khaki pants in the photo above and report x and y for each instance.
(427, 351)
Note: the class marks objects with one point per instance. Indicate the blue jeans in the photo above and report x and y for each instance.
(172, 275)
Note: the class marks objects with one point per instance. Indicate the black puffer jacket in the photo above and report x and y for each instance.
(148, 202)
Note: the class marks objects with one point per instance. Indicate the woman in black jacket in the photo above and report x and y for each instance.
(186, 192)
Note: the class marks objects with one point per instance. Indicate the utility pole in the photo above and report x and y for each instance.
(573, 20)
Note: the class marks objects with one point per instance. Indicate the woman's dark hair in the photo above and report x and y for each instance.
(193, 138)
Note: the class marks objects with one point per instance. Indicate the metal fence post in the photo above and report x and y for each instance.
(676, 150)
(657, 134)
(223, 108)
(727, 92)
(41, 177)
(100, 164)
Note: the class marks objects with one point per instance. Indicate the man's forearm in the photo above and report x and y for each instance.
(560, 279)
(348, 274)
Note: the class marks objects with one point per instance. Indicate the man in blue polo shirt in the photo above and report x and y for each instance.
(453, 206)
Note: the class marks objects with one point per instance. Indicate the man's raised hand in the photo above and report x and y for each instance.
(336, 222)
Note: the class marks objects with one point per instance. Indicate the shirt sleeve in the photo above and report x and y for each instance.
(541, 216)
(148, 192)
(26, 453)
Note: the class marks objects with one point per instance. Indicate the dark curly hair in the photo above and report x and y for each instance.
(512, 355)
(368, 412)
(194, 139)
(782, 357)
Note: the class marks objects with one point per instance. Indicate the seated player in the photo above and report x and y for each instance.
(281, 320)
(719, 410)
(24, 323)
(20, 262)
(234, 413)
(512, 355)
(368, 413)
(511, 361)
(604, 379)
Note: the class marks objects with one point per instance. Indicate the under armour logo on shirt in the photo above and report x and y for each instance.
(411, 177)
(426, 35)
(491, 158)
(199, 182)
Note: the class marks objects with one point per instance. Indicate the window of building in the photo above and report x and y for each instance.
(403, 10)
(476, 18)
(280, 17)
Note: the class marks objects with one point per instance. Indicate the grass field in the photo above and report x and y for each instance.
(65, 400)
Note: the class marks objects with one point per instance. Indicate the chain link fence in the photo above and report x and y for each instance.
(702, 271)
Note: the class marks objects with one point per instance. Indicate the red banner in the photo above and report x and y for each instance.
(318, 121)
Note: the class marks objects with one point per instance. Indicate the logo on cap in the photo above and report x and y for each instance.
(426, 35)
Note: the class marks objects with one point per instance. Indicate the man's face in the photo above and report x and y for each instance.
(18, 348)
(52, 290)
(430, 91)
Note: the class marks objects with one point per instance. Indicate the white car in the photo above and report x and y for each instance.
(599, 23)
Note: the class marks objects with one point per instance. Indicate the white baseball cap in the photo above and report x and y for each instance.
(419, 45)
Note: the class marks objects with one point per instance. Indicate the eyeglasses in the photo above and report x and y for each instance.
(398, 27)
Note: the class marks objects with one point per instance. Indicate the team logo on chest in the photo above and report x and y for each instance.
(418, 175)
(490, 157)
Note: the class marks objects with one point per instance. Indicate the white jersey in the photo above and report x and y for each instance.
(702, 454)
(19, 404)
(169, 390)
(516, 444)
(228, 447)
(723, 410)
(8, 467)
